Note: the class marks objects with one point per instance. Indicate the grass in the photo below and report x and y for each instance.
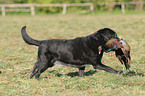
(17, 58)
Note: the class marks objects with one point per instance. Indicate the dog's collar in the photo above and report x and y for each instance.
(102, 48)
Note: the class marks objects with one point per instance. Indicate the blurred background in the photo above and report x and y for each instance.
(69, 6)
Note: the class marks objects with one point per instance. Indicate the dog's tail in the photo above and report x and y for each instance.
(28, 39)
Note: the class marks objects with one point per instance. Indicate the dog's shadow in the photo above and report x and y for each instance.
(74, 74)
(88, 73)
(132, 73)
(91, 72)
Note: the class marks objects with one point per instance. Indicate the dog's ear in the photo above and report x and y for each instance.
(105, 37)
(107, 33)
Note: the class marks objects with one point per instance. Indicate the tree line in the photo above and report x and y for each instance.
(58, 9)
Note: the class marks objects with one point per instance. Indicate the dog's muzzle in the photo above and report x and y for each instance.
(112, 45)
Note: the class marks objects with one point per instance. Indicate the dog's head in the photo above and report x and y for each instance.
(106, 34)
(110, 41)
(113, 43)
(103, 35)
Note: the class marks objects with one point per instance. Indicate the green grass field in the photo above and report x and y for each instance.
(17, 58)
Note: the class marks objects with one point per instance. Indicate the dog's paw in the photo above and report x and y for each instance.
(31, 75)
(120, 73)
(37, 76)
(81, 73)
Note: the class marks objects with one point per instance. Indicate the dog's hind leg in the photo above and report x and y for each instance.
(81, 71)
(42, 68)
(34, 70)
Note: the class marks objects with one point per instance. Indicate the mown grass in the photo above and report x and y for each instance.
(17, 58)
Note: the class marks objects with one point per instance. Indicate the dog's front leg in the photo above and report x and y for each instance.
(101, 66)
(81, 71)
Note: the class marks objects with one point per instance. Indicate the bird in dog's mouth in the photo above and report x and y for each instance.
(122, 51)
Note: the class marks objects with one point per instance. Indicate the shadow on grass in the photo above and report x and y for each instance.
(57, 75)
(73, 74)
(132, 73)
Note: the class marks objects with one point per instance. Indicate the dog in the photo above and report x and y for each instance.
(78, 52)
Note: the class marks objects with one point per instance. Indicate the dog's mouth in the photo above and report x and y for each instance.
(112, 45)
